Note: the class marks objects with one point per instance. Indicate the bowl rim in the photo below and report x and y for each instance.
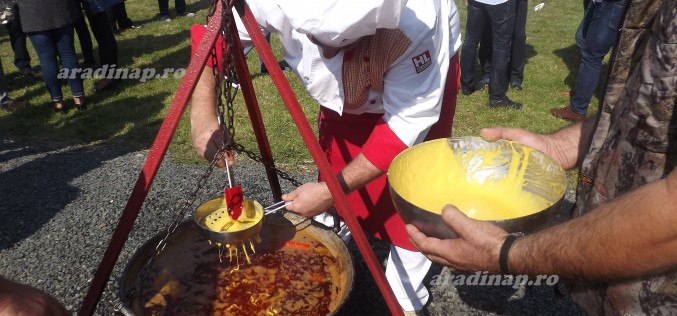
(561, 172)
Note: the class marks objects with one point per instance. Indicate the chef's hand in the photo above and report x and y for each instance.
(544, 143)
(22, 300)
(207, 139)
(476, 249)
(309, 199)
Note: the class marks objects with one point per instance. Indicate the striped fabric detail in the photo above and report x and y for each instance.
(366, 64)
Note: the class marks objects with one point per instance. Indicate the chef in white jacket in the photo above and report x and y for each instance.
(385, 74)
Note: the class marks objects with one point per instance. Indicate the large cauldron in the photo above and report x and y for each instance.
(277, 228)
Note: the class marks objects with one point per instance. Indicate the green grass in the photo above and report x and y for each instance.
(132, 113)
(552, 60)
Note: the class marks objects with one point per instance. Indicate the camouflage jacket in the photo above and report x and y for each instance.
(635, 142)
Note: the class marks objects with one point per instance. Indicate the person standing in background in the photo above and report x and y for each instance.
(49, 25)
(85, 39)
(517, 51)
(180, 6)
(501, 14)
(595, 37)
(119, 20)
(17, 38)
(108, 47)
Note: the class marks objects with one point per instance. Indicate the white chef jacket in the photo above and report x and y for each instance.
(412, 96)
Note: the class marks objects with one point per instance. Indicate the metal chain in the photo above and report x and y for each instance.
(229, 76)
(227, 46)
(255, 157)
(221, 154)
(225, 80)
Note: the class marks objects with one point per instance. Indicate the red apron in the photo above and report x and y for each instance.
(342, 138)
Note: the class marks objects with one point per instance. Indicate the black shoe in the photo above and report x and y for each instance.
(28, 72)
(482, 84)
(517, 85)
(465, 91)
(505, 102)
(105, 84)
(283, 65)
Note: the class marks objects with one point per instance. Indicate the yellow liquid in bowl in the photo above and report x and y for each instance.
(431, 175)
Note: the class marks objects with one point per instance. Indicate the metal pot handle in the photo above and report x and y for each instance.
(121, 308)
(337, 220)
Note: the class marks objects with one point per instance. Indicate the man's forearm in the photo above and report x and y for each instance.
(203, 100)
(631, 235)
(358, 173)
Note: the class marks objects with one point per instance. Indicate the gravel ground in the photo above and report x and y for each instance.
(60, 205)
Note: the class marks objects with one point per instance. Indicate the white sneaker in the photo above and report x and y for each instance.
(188, 14)
(165, 18)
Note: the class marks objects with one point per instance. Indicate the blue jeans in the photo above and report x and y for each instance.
(50, 43)
(583, 26)
(502, 17)
(598, 32)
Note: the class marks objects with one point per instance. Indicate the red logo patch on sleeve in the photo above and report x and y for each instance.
(422, 62)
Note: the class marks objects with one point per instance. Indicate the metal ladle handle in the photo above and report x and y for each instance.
(275, 207)
(231, 177)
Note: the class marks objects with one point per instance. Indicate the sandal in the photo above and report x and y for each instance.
(58, 106)
(80, 103)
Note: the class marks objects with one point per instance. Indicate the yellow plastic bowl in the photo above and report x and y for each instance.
(512, 185)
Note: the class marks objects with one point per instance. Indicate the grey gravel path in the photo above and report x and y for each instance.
(60, 204)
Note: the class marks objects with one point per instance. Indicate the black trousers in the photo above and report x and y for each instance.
(180, 6)
(108, 47)
(17, 39)
(518, 49)
(502, 17)
(117, 16)
(86, 46)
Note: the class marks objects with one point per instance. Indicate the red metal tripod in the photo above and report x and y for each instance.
(164, 136)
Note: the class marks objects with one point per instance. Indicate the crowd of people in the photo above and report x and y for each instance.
(618, 252)
(51, 27)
